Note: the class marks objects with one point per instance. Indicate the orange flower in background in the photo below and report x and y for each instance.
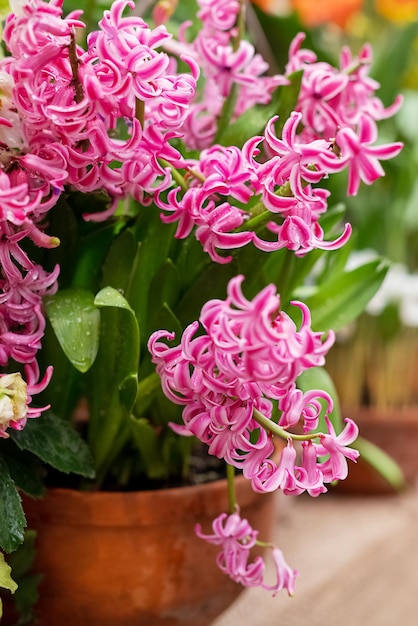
(398, 10)
(315, 12)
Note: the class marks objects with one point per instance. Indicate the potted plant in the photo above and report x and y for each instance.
(163, 208)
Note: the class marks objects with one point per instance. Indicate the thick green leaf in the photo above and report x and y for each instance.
(318, 378)
(26, 598)
(76, 322)
(165, 319)
(113, 386)
(6, 581)
(148, 442)
(147, 388)
(164, 290)
(155, 242)
(57, 443)
(21, 562)
(111, 297)
(120, 261)
(211, 283)
(288, 99)
(379, 460)
(341, 299)
(253, 121)
(128, 390)
(12, 518)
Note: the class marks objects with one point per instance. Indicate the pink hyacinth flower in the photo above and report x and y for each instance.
(363, 158)
(236, 538)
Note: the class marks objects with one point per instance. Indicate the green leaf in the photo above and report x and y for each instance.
(6, 581)
(165, 318)
(341, 299)
(109, 296)
(318, 378)
(148, 442)
(12, 518)
(211, 283)
(21, 562)
(289, 97)
(25, 469)
(391, 59)
(147, 388)
(120, 260)
(26, 598)
(379, 460)
(57, 443)
(76, 323)
(164, 290)
(114, 375)
(155, 242)
(128, 390)
(253, 121)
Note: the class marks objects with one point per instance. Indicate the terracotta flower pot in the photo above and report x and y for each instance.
(396, 432)
(130, 559)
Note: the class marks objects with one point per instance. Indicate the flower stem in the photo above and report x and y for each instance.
(230, 100)
(140, 111)
(175, 174)
(268, 424)
(230, 476)
(72, 55)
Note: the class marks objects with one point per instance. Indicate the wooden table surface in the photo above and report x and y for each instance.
(357, 558)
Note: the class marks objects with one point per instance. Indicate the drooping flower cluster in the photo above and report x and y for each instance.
(249, 356)
(237, 538)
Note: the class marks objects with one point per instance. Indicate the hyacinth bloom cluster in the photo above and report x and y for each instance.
(236, 538)
(227, 377)
(247, 356)
(117, 117)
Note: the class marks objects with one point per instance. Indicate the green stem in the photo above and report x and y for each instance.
(146, 389)
(88, 11)
(230, 476)
(140, 111)
(227, 112)
(268, 424)
(260, 216)
(74, 62)
(240, 26)
(175, 174)
(230, 101)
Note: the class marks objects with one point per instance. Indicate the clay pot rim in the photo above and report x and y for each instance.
(148, 507)
(393, 414)
(73, 507)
